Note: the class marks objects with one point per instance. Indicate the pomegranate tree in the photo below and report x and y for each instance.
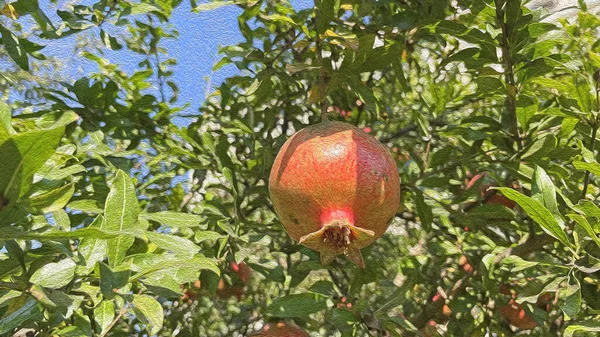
(335, 189)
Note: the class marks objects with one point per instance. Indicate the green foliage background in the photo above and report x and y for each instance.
(109, 211)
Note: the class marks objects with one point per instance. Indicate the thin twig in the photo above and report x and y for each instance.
(122, 312)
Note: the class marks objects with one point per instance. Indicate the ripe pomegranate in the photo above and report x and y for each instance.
(241, 274)
(280, 330)
(335, 189)
(514, 314)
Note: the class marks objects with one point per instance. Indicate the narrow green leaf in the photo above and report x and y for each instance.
(14, 48)
(104, 314)
(53, 200)
(121, 213)
(581, 221)
(29, 311)
(517, 264)
(213, 5)
(544, 192)
(173, 243)
(86, 206)
(423, 209)
(5, 119)
(143, 8)
(207, 235)
(54, 275)
(149, 311)
(174, 219)
(145, 264)
(572, 329)
(593, 167)
(538, 213)
(297, 305)
(589, 209)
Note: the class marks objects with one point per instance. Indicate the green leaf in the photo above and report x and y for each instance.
(581, 221)
(572, 329)
(28, 311)
(28, 152)
(174, 219)
(109, 41)
(14, 48)
(86, 206)
(403, 323)
(5, 119)
(171, 242)
(121, 213)
(593, 167)
(544, 192)
(279, 18)
(213, 5)
(54, 275)
(297, 305)
(572, 296)
(517, 264)
(538, 213)
(53, 200)
(92, 250)
(207, 235)
(488, 84)
(112, 280)
(143, 8)
(589, 209)
(561, 86)
(342, 319)
(70, 331)
(104, 314)
(423, 210)
(149, 311)
(178, 267)
(325, 14)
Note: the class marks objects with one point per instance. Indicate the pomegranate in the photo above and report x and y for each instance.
(514, 314)
(243, 273)
(335, 189)
(280, 330)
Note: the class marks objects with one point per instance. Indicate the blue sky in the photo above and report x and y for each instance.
(196, 50)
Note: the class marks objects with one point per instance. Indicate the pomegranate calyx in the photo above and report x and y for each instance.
(339, 237)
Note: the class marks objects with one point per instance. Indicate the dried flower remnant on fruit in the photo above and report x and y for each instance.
(335, 189)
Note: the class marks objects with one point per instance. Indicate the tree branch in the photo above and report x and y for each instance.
(509, 73)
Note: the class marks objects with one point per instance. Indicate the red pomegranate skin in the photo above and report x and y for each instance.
(335, 189)
(280, 330)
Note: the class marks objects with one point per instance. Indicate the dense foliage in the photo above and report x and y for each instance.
(116, 222)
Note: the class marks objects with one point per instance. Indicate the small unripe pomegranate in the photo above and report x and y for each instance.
(335, 189)
(280, 330)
